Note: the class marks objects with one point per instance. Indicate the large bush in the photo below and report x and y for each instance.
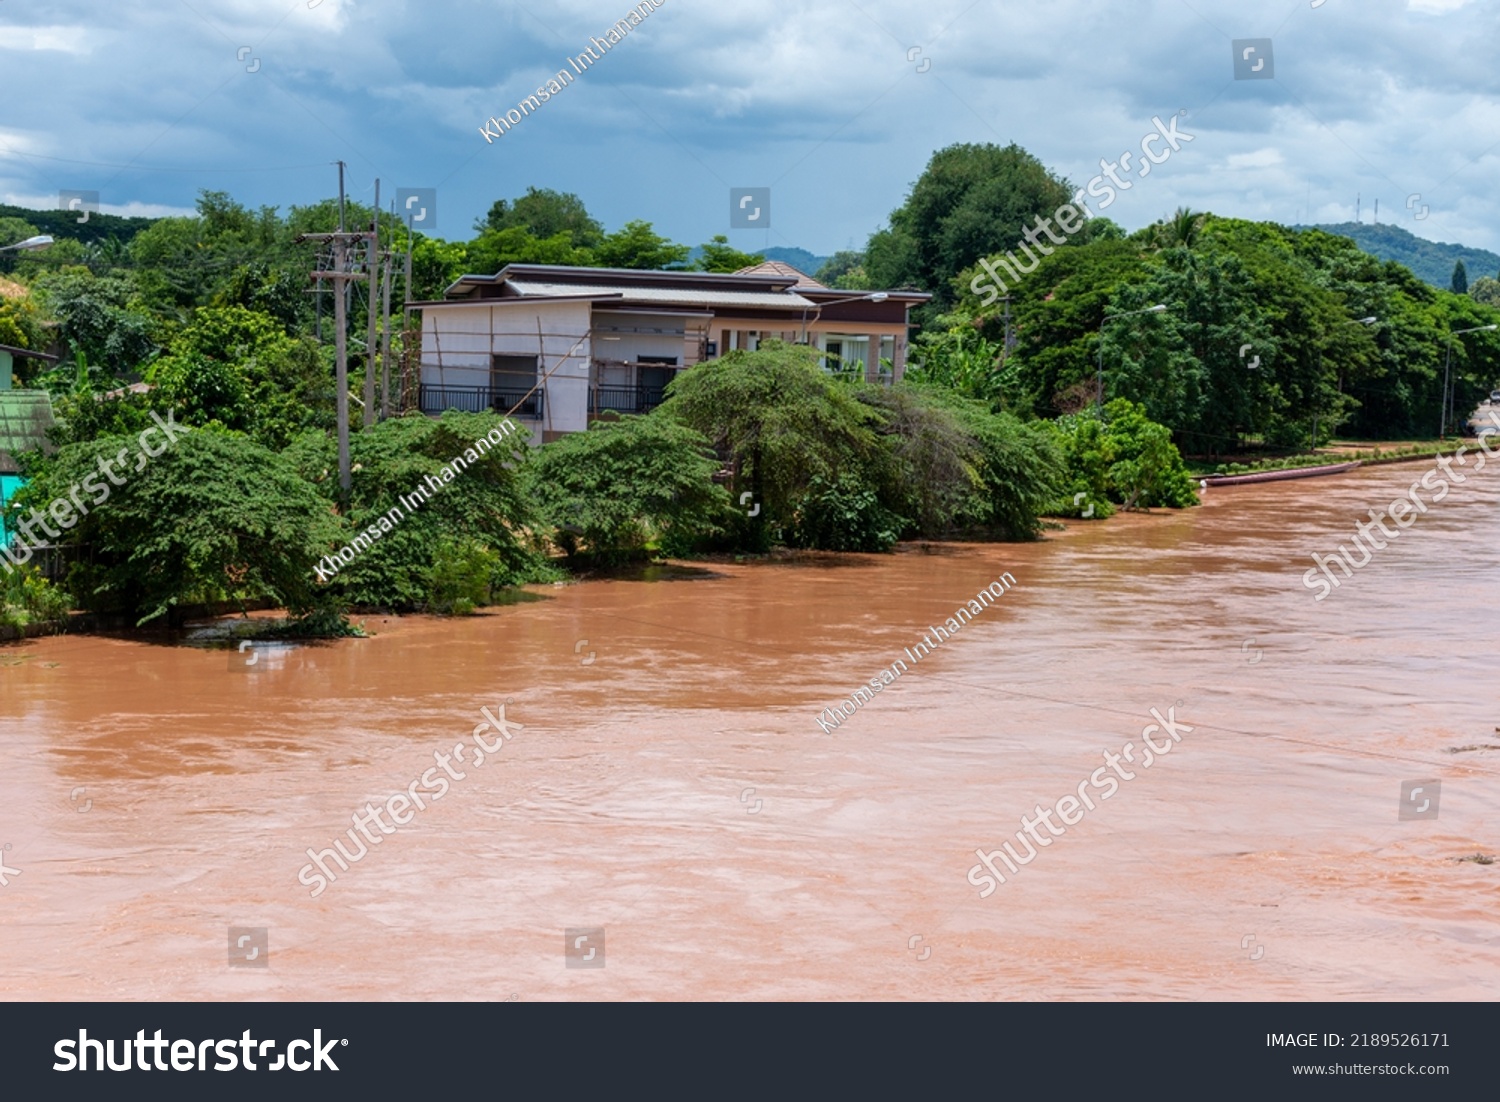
(28, 598)
(485, 508)
(612, 491)
(214, 517)
(784, 426)
(1124, 458)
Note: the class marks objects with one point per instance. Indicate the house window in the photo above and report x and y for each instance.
(846, 353)
(655, 373)
(513, 373)
(887, 357)
(511, 380)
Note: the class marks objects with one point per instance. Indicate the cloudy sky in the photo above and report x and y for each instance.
(836, 105)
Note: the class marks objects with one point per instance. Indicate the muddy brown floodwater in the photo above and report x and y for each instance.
(669, 785)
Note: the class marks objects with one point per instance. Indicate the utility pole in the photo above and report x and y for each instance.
(387, 270)
(374, 269)
(343, 289)
(406, 321)
(341, 276)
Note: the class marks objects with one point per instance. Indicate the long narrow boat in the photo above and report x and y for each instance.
(1278, 476)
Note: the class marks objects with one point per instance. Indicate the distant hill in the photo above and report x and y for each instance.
(1432, 261)
(800, 259)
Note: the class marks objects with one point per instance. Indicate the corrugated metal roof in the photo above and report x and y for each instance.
(777, 268)
(765, 299)
(25, 417)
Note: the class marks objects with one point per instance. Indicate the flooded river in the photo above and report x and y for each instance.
(665, 781)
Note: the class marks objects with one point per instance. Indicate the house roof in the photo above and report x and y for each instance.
(27, 353)
(775, 267)
(617, 279)
(673, 296)
(768, 286)
(25, 417)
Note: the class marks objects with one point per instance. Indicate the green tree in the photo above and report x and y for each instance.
(719, 256)
(1055, 315)
(462, 576)
(1485, 290)
(492, 250)
(277, 291)
(102, 317)
(637, 245)
(844, 271)
(238, 368)
(174, 266)
(435, 265)
(544, 213)
(1460, 282)
(22, 325)
(971, 201)
(1145, 466)
(1182, 230)
(64, 253)
(784, 425)
(12, 231)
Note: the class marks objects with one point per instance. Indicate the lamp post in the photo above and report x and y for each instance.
(1447, 364)
(31, 244)
(1160, 307)
(870, 296)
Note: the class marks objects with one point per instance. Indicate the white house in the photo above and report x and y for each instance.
(556, 346)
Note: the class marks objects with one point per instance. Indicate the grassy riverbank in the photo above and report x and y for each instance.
(1336, 453)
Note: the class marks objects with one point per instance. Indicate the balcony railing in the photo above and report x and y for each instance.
(479, 399)
(625, 399)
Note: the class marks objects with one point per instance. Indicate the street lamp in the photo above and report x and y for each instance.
(31, 243)
(1157, 309)
(1447, 363)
